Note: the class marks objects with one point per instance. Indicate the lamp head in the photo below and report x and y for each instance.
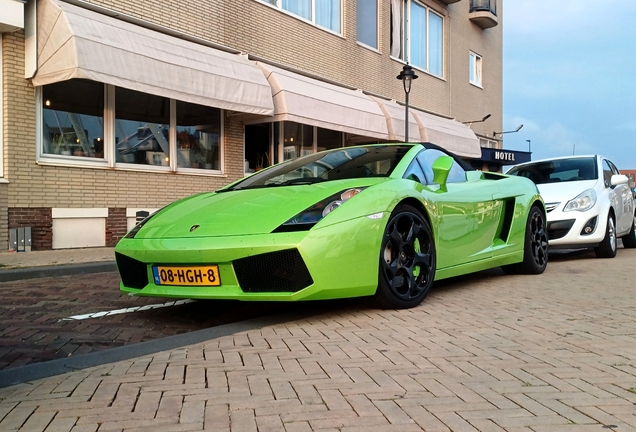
(407, 76)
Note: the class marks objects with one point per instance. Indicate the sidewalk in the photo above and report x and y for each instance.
(51, 263)
(12, 260)
(490, 352)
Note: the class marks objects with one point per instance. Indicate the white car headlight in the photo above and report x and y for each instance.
(582, 202)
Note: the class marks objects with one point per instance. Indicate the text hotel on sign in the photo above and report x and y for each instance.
(505, 156)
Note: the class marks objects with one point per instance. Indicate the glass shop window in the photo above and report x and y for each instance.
(142, 123)
(327, 139)
(73, 119)
(298, 140)
(198, 136)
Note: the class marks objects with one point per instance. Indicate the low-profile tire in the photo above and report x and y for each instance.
(629, 241)
(535, 246)
(607, 248)
(407, 260)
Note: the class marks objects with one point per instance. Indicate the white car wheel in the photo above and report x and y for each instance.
(607, 248)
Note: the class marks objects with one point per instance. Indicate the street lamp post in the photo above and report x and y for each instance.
(407, 76)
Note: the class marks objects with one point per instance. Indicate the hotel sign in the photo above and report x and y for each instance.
(504, 157)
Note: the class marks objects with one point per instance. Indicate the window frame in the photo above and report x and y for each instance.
(109, 159)
(475, 69)
(278, 4)
(406, 45)
(377, 27)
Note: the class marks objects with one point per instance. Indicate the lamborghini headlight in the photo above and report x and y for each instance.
(318, 211)
(582, 202)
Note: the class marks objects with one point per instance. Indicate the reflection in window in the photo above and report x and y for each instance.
(302, 8)
(474, 71)
(298, 140)
(328, 14)
(142, 123)
(72, 125)
(367, 22)
(417, 35)
(198, 136)
(328, 139)
(429, 156)
(325, 13)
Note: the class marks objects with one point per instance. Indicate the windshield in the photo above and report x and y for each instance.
(559, 170)
(344, 163)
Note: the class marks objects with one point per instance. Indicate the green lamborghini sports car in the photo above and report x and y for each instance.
(382, 220)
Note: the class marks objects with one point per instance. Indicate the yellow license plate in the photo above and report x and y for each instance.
(187, 275)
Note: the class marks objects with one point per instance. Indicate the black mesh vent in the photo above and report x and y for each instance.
(281, 271)
(559, 229)
(134, 274)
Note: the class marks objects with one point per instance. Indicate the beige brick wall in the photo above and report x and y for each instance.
(255, 28)
(33, 185)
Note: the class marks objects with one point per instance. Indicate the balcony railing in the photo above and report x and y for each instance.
(483, 6)
(483, 13)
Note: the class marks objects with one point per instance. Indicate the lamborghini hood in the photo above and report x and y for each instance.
(241, 212)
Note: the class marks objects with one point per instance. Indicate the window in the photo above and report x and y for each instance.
(142, 125)
(475, 69)
(367, 22)
(139, 129)
(267, 144)
(198, 136)
(324, 13)
(327, 139)
(73, 125)
(298, 140)
(427, 157)
(487, 143)
(607, 173)
(417, 35)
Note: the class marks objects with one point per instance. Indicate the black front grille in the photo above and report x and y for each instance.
(134, 274)
(281, 271)
(559, 229)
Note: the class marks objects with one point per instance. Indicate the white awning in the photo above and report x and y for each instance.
(313, 102)
(448, 133)
(394, 117)
(74, 42)
(12, 17)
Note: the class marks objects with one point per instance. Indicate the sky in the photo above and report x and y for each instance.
(569, 69)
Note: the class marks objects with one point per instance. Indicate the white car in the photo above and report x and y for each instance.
(588, 201)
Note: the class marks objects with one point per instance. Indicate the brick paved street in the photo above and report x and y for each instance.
(35, 324)
(490, 352)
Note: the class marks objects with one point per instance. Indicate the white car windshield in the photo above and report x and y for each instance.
(558, 170)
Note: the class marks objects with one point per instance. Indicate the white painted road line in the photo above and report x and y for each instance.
(127, 310)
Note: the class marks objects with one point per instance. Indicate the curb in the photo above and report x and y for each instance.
(35, 371)
(56, 270)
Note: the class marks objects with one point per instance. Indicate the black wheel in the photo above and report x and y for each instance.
(535, 247)
(607, 248)
(407, 260)
(629, 241)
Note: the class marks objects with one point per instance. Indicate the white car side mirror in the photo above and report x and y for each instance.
(619, 179)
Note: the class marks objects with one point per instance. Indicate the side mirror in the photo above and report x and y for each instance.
(618, 179)
(441, 168)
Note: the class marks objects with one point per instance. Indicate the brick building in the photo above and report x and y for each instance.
(112, 107)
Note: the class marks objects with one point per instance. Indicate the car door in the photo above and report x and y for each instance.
(467, 215)
(621, 200)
